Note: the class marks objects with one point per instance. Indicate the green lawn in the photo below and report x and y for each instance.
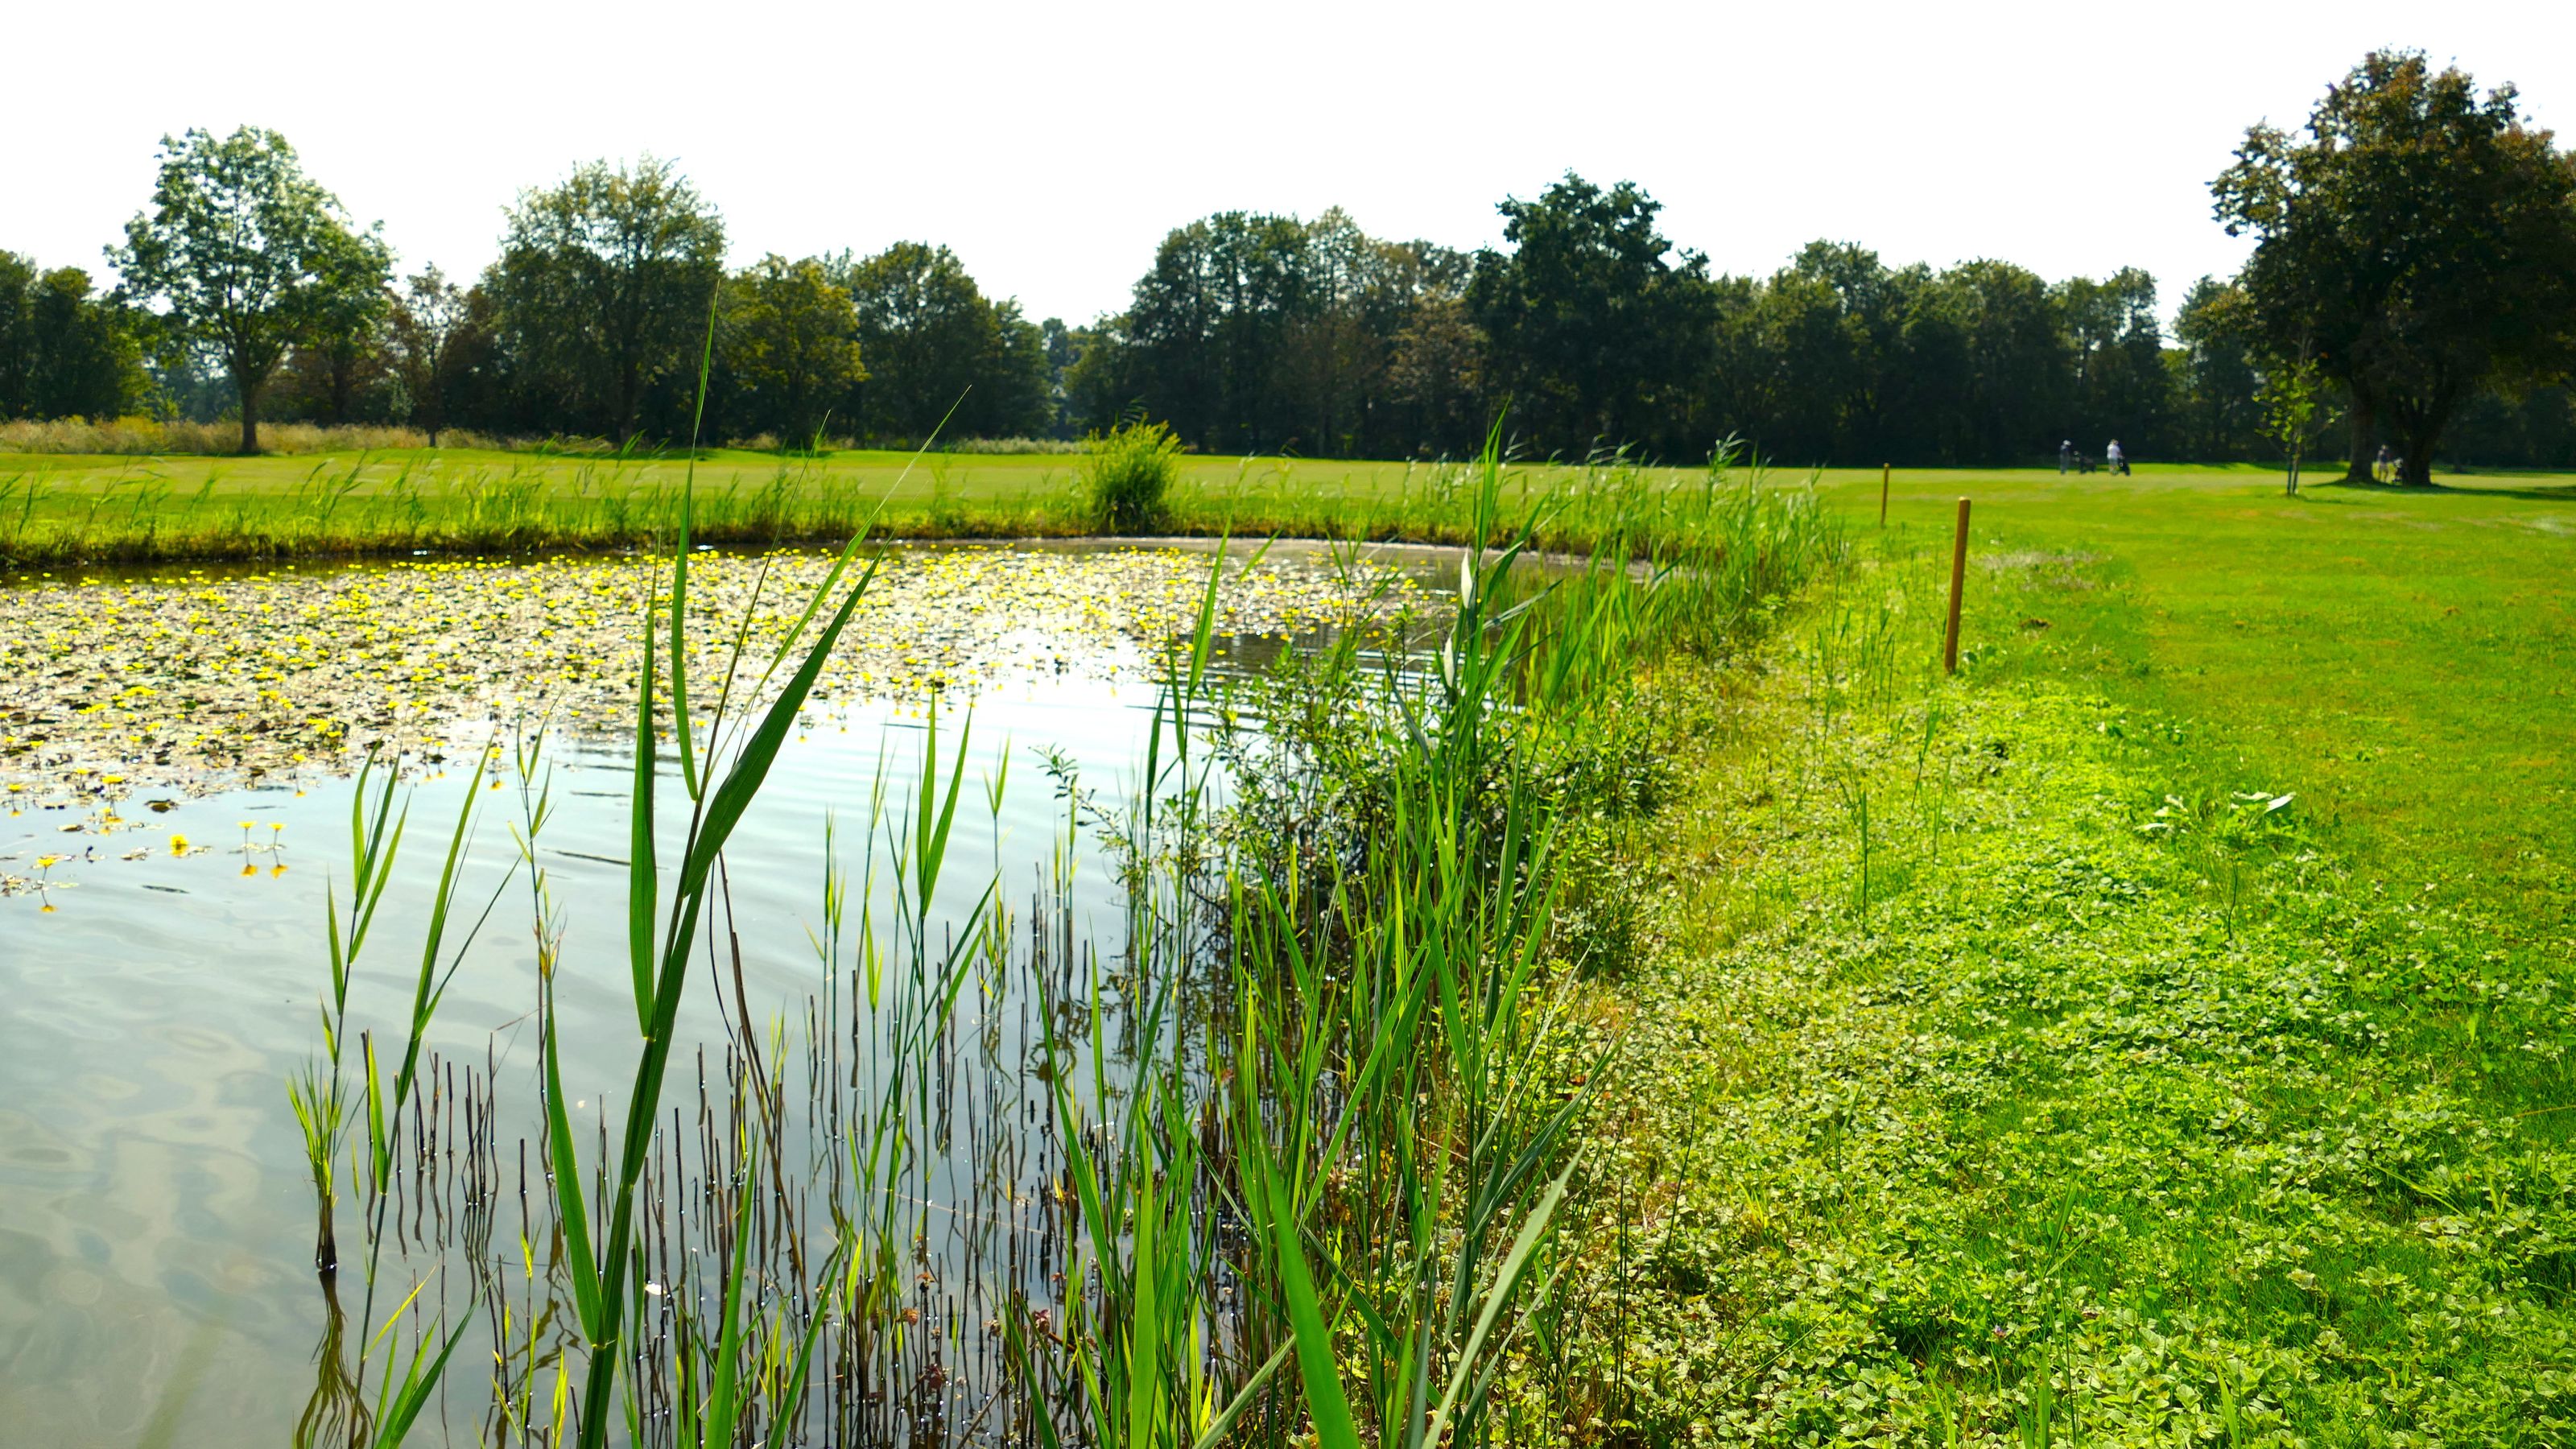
(2400, 657)
(58, 510)
(2002, 1069)
(1971, 1094)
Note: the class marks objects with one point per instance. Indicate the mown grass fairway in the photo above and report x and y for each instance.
(2398, 656)
(1975, 1094)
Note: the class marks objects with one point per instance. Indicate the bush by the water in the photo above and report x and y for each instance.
(1128, 473)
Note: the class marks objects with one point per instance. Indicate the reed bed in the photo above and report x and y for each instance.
(1283, 1165)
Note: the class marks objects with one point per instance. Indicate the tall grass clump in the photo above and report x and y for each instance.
(1127, 475)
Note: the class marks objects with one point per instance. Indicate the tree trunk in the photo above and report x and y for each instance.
(630, 393)
(2421, 422)
(344, 374)
(249, 393)
(2365, 436)
(2416, 467)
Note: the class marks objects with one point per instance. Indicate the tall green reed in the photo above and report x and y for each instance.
(321, 1094)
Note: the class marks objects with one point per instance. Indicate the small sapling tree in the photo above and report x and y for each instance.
(2290, 394)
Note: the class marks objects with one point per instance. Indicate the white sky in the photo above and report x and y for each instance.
(1052, 145)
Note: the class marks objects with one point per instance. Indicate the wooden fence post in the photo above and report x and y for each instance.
(1958, 581)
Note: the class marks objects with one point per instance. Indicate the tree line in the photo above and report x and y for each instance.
(2410, 286)
(1267, 333)
(245, 290)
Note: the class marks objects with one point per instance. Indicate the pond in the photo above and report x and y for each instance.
(177, 750)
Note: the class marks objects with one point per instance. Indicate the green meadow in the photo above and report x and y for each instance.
(2397, 653)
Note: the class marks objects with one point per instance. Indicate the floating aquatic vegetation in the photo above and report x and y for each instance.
(188, 682)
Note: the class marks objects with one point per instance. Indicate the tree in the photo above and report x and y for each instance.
(1436, 376)
(63, 352)
(792, 342)
(933, 343)
(19, 352)
(428, 320)
(1065, 347)
(604, 286)
(2289, 394)
(1016, 399)
(1262, 332)
(1101, 377)
(2421, 240)
(2216, 371)
(1994, 341)
(246, 252)
(347, 333)
(1810, 352)
(1599, 331)
(2120, 387)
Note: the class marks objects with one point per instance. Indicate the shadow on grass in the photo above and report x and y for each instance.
(2538, 493)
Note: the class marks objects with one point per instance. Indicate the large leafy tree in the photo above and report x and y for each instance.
(934, 342)
(1599, 330)
(249, 256)
(1016, 399)
(2119, 386)
(1435, 379)
(604, 286)
(1812, 351)
(1255, 331)
(2418, 241)
(64, 352)
(1208, 327)
(352, 302)
(792, 340)
(1839, 357)
(2216, 371)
